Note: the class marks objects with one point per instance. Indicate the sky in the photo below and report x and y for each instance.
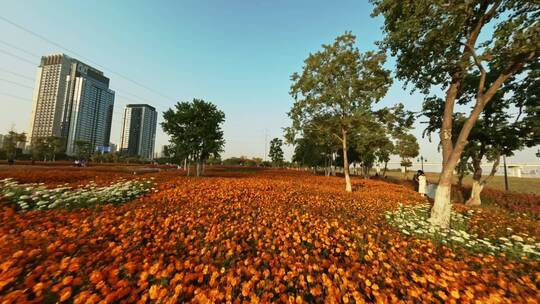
(238, 55)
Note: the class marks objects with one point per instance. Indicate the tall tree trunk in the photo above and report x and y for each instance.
(188, 168)
(348, 186)
(384, 170)
(440, 213)
(198, 167)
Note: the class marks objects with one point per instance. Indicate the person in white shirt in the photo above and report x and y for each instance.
(422, 183)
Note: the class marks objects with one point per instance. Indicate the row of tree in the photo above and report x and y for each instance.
(333, 111)
(53, 148)
(437, 45)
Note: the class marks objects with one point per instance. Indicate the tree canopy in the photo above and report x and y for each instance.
(276, 151)
(335, 91)
(439, 44)
(195, 131)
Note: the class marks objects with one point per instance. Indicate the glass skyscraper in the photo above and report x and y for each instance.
(139, 130)
(71, 100)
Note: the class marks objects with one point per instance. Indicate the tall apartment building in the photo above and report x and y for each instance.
(71, 100)
(139, 130)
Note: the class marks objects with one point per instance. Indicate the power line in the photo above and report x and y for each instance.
(15, 96)
(16, 83)
(18, 57)
(84, 57)
(16, 74)
(18, 48)
(117, 91)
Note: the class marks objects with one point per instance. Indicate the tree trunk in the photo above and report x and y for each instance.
(188, 168)
(475, 200)
(440, 213)
(198, 167)
(348, 186)
(478, 184)
(384, 170)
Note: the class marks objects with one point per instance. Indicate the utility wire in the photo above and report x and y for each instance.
(84, 57)
(118, 92)
(15, 96)
(18, 57)
(16, 83)
(16, 74)
(19, 48)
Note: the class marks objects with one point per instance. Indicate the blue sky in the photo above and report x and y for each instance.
(236, 54)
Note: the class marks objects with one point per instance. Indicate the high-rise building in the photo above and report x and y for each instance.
(139, 130)
(71, 100)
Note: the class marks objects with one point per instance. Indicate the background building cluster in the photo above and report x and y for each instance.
(73, 101)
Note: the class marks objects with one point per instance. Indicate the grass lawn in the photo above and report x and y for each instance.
(521, 185)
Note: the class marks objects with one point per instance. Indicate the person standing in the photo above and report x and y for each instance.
(422, 183)
(415, 180)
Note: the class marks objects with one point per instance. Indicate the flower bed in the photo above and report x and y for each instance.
(265, 236)
(38, 197)
(413, 220)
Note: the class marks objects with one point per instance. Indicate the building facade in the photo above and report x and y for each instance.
(71, 100)
(139, 130)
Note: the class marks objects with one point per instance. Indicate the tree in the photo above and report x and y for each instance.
(406, 147)
(308, 153)
(276, 152)
(383, 154)
(497, 131)
(38, 148)
(438, 44)
(315, 142)
(337, 87)
(12, 143)
(195, 132)
(397, 123)
(83, 149)
(55, 146)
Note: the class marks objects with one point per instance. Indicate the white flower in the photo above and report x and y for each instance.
(517, 238)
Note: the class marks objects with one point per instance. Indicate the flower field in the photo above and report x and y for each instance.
(258, 236)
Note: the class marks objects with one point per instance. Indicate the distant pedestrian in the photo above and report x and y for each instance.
(422, 183)
(415, 180)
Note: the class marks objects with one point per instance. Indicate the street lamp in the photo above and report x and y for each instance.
(421, 160)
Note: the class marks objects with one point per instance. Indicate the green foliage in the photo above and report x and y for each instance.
(337, 86)
(47, 148)
(433, 40)
(195, 131)
(308, 152)
(507, 124)
(83, 149)
(407, 147)
(276, 152)
(333, 97)
(11, 144)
